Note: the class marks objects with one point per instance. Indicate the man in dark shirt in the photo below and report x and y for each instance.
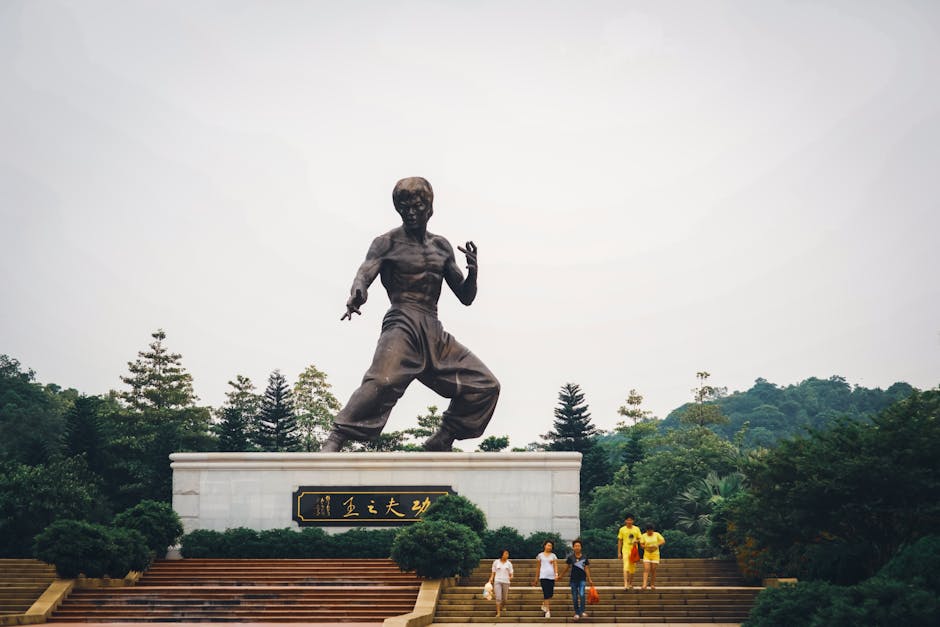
(413, 264)
(580, 566)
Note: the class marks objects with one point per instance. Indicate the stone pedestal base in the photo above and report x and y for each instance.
(528, 491)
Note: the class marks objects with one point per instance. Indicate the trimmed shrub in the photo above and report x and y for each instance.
(600, 543)
(879, 602)
(156, 521)
(537, 539)
(437, 548)
(78, 547)
(789, 604)
(203, 543)
(495, 540)
(75, 547)
(361, 543)
(287, 543)
(460, 510)
(128, 551)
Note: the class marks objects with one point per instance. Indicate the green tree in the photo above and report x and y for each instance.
(633, 410)
(157, 379)
(494, 444)
(85, 433)
(32, 497)
(277, 425)
(31, 415)
(705, 411)
(316, 407)
(698, 502)
(821, 506)
(236, 416)
(572, 429)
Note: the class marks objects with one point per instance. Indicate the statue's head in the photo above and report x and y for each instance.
(414, 201)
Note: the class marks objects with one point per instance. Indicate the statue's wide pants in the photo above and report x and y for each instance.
(413, 345)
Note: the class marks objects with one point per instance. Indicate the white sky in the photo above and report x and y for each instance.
(656, 188)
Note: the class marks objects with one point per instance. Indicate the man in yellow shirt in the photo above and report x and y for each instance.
(626, 538)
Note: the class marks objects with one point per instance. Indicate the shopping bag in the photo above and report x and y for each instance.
(634, 554)
(488, 591)
(592, 596)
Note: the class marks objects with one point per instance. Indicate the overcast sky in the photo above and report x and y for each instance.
(656, 188)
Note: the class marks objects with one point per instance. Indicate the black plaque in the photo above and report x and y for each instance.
(363, 506)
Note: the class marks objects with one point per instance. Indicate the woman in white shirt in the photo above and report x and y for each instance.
(500, 577)
(548, 573)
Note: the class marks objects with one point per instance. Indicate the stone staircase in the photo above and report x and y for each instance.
(21, 583)
(688, 591)
(256, 590)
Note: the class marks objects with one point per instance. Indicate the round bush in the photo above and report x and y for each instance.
(495, 540)
(437, 548)
(128, 551)
(156, 521)
(600, 543)
(75, 547)
(916, 564)
(537, 539)
(457, 509)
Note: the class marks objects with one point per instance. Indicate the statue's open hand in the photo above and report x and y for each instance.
(470, 250)
(352, 306)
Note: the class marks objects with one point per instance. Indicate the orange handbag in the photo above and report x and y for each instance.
(634, 554)
(592, 596)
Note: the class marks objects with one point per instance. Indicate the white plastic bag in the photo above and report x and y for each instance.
(488, 591)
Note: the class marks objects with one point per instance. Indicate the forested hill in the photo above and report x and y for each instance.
(775, 412)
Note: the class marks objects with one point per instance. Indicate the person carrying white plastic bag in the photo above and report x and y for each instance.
(500, 577)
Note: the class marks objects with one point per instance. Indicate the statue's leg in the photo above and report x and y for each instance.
(458, 374)
(397, 362)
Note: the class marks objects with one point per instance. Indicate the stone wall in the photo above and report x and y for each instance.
(528, 491)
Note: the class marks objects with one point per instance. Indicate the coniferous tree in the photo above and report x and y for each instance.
(157, 379)
(84, 433)
(277, 428)
(572, 429)
(236, 417)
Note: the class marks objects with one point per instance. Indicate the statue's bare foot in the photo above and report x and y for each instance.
(333, 444)
(441, 441)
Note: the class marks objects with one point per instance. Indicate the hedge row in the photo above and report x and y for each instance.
(286, 543)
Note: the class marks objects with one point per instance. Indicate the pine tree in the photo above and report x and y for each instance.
(157, 379)
(316, 407)
(237, 415)
(84, 433)
(572, 429)
(277, 428)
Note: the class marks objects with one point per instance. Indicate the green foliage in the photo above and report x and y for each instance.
(600, 543)
(236, 416)
(680, 544)
(75, 547)
(156, 521)
(572, 429)
(536, 540)
(31, 415)
(316, 407)
(437, 548)
(904, 592)
(816, 511)
(32, 497)
(595, 470)
(287, 543)
(632, 410)
(276, 427)
(776, 413)
(705, 411)
(457, 509)
(494, 444)
(128, 551)
(697, 503)
(78, 547)
(607, 506)
(496, 540)
(783, 606)
(916, 564)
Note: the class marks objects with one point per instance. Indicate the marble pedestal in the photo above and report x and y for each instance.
(528, 491)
